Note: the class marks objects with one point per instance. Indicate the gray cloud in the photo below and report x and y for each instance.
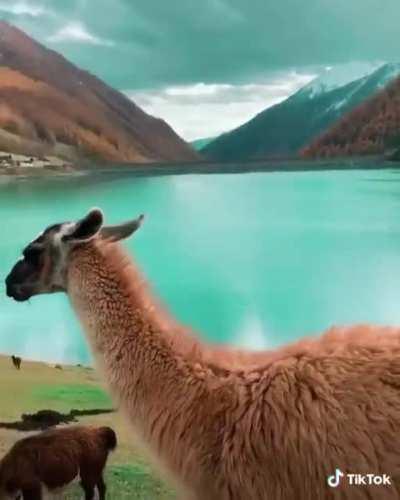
(77, 32)
(21, 8)
(153, 44)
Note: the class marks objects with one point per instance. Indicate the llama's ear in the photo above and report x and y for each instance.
(86, 228)
(122, 231)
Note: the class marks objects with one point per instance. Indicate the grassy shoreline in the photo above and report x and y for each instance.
(13, 165)
(39, 386)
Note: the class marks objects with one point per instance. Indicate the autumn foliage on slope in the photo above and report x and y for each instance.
(48, 105)
(371, 128)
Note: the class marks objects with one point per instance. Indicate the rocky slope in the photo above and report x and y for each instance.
(284, 129)
(50, 106)
(373, 128)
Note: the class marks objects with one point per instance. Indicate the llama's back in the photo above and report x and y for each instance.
(88, 446)
(318, 406)
(335, 338)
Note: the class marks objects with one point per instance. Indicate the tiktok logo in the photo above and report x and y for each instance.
(334, 480)
(359, 479)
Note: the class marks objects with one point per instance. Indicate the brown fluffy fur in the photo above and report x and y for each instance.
(53, 459)
(231, 425)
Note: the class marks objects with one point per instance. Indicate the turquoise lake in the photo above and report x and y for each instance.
(254, 259)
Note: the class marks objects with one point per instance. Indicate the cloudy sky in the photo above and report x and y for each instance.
(207, 66)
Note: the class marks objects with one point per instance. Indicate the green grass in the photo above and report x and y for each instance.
(131, 482)
(69, 396)
(38, 386)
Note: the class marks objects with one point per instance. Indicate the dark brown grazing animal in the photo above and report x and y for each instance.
(51, 460)
(16, 362)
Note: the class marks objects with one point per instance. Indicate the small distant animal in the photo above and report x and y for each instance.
(47, 462)
(16, 361)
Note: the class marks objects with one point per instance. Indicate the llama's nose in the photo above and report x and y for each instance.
(11, 290)
(14, 279)
(12, 287)
(9, 286)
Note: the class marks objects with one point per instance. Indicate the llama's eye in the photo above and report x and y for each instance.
(32, 254)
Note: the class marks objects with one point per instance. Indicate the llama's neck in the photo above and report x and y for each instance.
(163, 392)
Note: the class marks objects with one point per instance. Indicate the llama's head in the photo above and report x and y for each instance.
(43, 267)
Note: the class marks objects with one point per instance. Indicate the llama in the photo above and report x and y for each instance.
(225, 424)
(16, 361)
(51, 460)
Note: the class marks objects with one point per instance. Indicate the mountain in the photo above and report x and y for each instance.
(50, 106)
(284, 129)
(373, 128)
(199, 144)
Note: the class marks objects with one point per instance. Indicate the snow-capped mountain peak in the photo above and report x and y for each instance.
(288, 127)
(389, 72)
(339, 76)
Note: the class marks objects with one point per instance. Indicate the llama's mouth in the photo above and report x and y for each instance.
(19, 293)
